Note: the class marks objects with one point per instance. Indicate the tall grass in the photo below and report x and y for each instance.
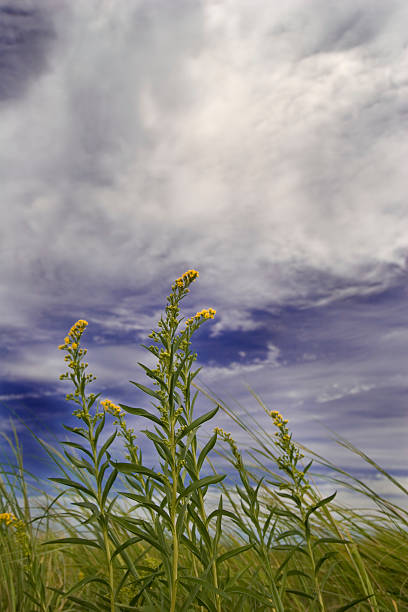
(174, 534)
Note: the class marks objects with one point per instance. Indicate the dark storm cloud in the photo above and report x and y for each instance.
(26, 35)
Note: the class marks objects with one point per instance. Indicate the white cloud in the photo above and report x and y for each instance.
(256, 145)
(234, 319)
(335, 391)
(260, 144)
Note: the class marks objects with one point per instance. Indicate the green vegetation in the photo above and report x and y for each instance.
(120, 535)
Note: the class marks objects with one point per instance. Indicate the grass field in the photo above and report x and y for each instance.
(120, 535)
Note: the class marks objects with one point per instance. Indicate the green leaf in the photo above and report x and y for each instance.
(250, 593)
(228, 513)
(176, 374)
(154, 437)
(331, 541)
(192, 548)
(301, 593)
(322, 502)
(82, 541)
(80, 463)
(134, 468)
(144, 535)
(233, 553)
(125, 545)
(93, 400)
(99, 428)
(101, 473)
(296, 572)
(152, 374)
(320, 562)
(146, 502)
(108, 485)
(105, 447)
(146, 390)
(79, 447)
(195, 424)
(88, 505)
(210, 444)
(198, 484)
(291, 547)
(80, 431)
(354, 603)
(288, 533)
(160, 446)
(202, 529)
(291, 496)
(74, 485)
(287, 513)
(143, 413)
(307, 467)
(85, 605)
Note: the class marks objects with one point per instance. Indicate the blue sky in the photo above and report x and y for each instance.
(261, 143)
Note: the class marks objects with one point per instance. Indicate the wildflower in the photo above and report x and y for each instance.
(78, 328)
(291, 455)
(233, 445)
(74, 345)
(112, 408)
(8, 518)
(186, 279)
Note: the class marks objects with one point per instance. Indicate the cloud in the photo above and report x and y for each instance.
(235, 368)
(262, 147)
(334, 392)
(259, 144)
(26, 37)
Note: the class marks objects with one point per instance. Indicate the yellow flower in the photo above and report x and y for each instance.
(206, 313)
(112, 408)
(8, 517)
(78, 328)
(74, 345)
(188, 277)
(66, 340)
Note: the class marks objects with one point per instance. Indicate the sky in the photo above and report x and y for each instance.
(260, 143)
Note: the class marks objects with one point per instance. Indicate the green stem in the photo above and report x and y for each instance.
(267, 564)
(173, 514)
(103, 523)
(312, 560)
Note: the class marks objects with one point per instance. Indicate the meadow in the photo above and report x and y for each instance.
(177, 534)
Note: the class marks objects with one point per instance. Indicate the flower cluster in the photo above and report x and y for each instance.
(75, 353)
(280, 422)
(77, 329)
(112, 408)
(19, 528)
(74, 359)
(207, 313)
(186, 279)
(233, 445)
(291, 455)
(126, 432)
(8, 518)
(74, 335)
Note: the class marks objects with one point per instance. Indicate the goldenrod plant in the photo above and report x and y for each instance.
(173, 534)
(174, 497)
